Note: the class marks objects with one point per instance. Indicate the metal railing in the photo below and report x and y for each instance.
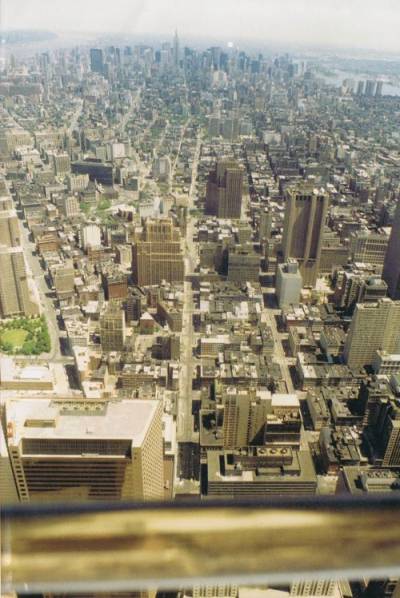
(104, 547)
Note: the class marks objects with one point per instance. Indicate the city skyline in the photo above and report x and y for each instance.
(306, 23)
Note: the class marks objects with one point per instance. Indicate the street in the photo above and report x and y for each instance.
(75, 117)
(279, 354)
(184, 407)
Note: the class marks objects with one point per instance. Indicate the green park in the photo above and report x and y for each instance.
(24, 336)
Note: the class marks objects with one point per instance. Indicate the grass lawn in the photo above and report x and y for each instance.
(15, 337)
(26, 336)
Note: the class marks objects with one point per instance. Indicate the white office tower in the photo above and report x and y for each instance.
(288, 283)
(86, 451)
(90, 236)
(374, 326)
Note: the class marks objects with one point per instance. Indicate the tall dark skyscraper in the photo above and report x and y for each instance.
(391, 268)
(305, 215)
(96, 61)
(224, 190)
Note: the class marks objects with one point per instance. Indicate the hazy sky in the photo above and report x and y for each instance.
(373, 24)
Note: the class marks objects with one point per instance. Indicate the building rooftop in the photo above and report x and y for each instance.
(126, 419)
(294, 465)
(12, 370)
(285, 400)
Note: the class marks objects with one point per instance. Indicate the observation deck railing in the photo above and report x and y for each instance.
(120, 547)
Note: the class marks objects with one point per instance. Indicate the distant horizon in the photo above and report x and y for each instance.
(203, 40)
(360, 25)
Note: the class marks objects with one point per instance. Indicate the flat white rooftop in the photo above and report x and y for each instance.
(14, 370)
(285, 400)
(114, 420)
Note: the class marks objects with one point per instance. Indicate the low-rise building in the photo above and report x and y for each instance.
(386, 363)
(318, 409)
(258, 472)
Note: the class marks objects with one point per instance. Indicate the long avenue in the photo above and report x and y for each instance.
(184, 407)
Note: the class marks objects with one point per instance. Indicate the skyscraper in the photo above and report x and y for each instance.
(368, 248)
(375, 326)
(265, 226)
(64, 280)
(243, 263)
(61, 163)
(288, 283)
(16, 296)
(70, 206)
(158, 255)
(75, 450)
(370, 88)
(90, 236)
(224, 190)
(259, 418)
(112, 327)
(214, 123)
(391, 268)
(96, 61)
(244, 417)
(176, 49)
(391, 439)
(360, 88)
(306, 209)
(379, 88)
